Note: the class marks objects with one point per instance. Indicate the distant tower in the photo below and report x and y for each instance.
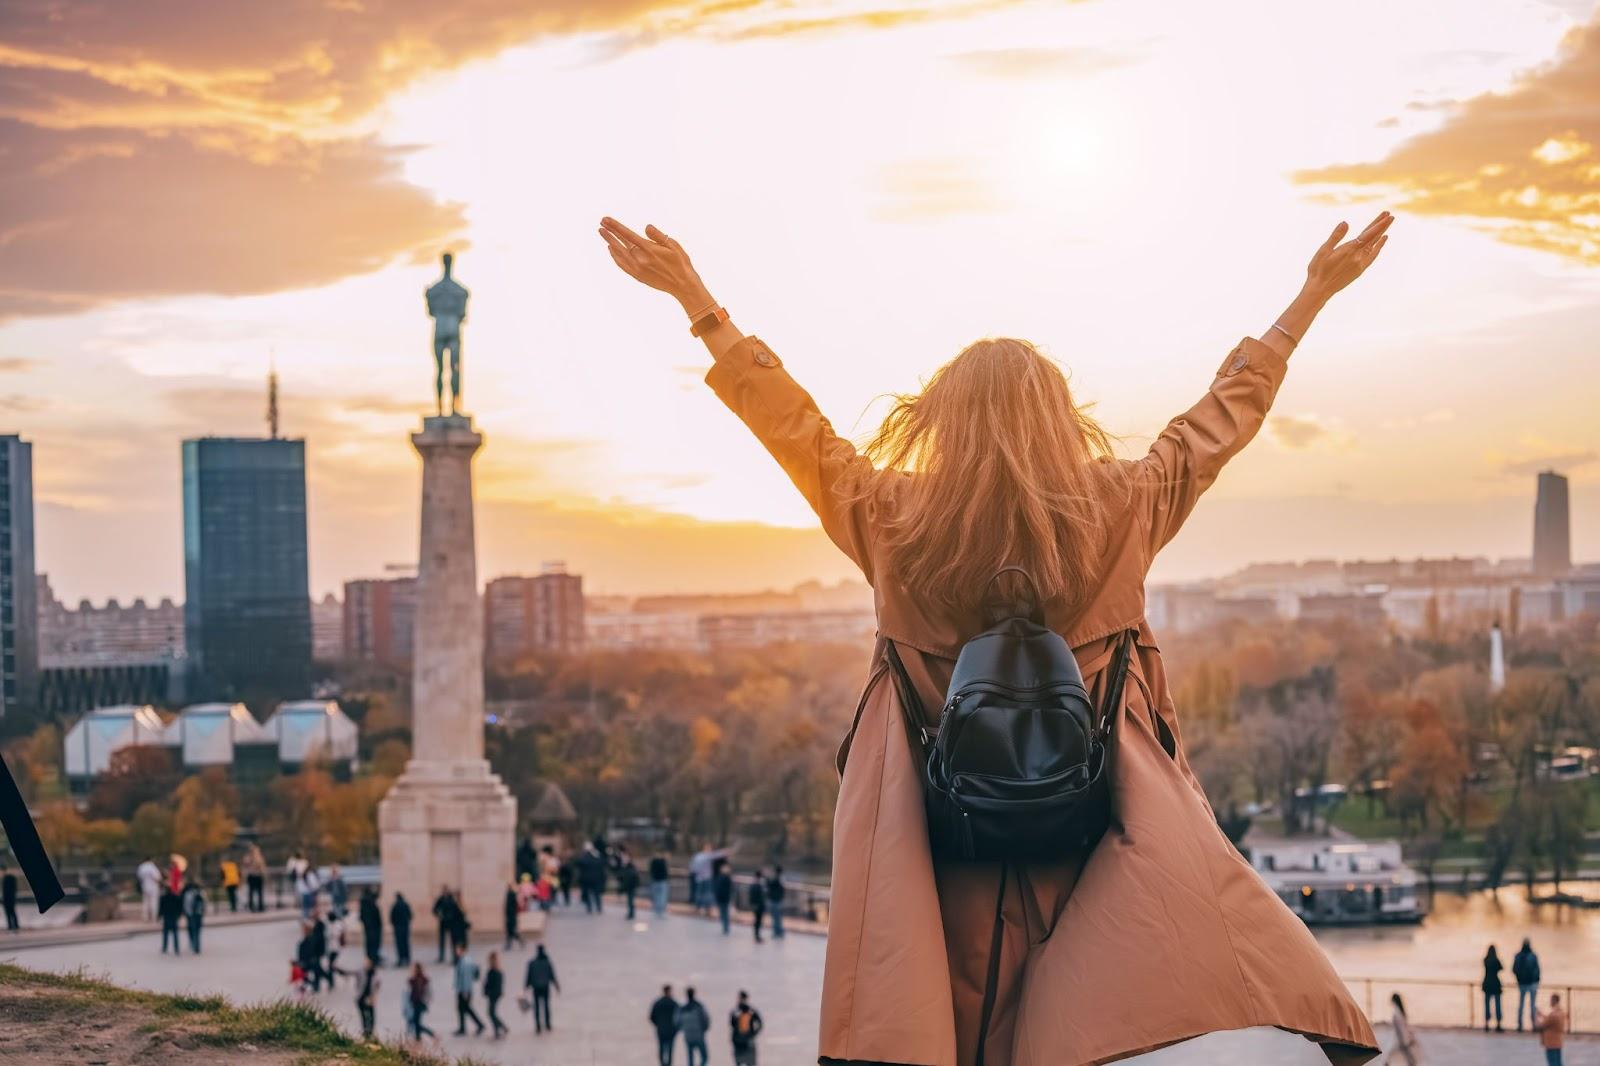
(19, 600)
(1497, 659)
(272, 403)
(1552, 529)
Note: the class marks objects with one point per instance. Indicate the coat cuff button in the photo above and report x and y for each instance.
(1238, 363)
(765, 357)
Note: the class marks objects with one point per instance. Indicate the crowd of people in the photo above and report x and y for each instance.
(671, 1019)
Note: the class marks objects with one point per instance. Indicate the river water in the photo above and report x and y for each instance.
(1444, 955)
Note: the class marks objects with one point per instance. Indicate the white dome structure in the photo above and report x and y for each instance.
(312, 729)
(90, 743)
(206, 733)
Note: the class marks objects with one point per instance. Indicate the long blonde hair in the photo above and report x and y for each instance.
(1008, 470)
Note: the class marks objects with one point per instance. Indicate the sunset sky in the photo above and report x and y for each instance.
(190, 189)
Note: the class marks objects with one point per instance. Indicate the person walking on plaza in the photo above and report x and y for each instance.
(1406, 1051)
(513, 911)
(701, 865)
(176, 865)
(758, 901)
(1552, 1029)
(170, 909)
(995, 469)
(317, 952)
(660, 884)
(400, 922)
(293, 867)
(367, 997)
(693, 1023)
(466, 976)
(193, 901)
(307, 887)
(307, 955)
(8, 898)
(592, 879)
(1525, 968)
(420, 991)
(566, 873)
(775, 894)
(664, 1019)
(255, 880)
(371, 923)
(338, 890)
(722, 892)
(445, 909)
(149, 877)
(335, 924)
(745, 1025)
(494, 986)
(230, 884)
(628, 882)
(1492, 989)
(539, 980)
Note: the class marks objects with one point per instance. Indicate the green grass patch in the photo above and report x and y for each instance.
(284, 1025)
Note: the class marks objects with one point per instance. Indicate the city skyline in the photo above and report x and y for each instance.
(1410, 423)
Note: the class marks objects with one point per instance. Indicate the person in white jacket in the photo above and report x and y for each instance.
(149, 877)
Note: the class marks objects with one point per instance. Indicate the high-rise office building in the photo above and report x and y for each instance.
(247, 608)
(380, 620)
(19, 602)
(1552, 528)
(527, 614)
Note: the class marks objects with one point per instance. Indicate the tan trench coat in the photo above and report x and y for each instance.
(1164, 932)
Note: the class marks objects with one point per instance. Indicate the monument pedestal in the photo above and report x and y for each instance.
(448, 821)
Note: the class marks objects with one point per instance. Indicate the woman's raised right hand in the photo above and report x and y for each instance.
(1336, 265)
(656, 260)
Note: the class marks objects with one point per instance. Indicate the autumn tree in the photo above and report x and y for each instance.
(203, 818)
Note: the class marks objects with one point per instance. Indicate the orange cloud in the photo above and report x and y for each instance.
(188, 146)
(1524, 162)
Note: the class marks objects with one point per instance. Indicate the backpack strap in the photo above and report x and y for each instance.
(991, 982)
(1116, 682)
(911, 709)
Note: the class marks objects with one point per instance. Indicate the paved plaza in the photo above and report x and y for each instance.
(610, 971)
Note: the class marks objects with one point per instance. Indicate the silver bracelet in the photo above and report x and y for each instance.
(1292, 338)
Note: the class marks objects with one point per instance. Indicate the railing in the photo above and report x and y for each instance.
(1459, 1004)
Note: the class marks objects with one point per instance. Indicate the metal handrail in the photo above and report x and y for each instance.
(1437, 1009)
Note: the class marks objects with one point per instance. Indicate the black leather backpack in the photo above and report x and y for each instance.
(1017, 770)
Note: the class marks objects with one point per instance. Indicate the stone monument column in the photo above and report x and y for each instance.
(447, 821)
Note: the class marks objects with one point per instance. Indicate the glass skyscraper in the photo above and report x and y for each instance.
(19, 603)
(1552, 527)
(247, 611)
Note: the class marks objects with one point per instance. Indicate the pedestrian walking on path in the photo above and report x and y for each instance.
(367, 984)
(745, 1026)
(1525, 968)
(996, 469)
(466, 976)
(1552, 1029)
(170, 909)
(513, 912)
(693, 1023)
(664, 1019)
(255, 880)
(1406, 1051)
(400, 922)
(230, 884)
(494, 986)
(627, 882)
(371, 924)
(419, 995)
(1492, 990)
(540, 979)
(8, 898)
(722, 892)
(193, 902)
(445, 912)
(660, 885)
(775, 894)
(149, 877)
(758, 901)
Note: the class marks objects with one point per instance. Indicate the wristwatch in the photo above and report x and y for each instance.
(708, 321)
